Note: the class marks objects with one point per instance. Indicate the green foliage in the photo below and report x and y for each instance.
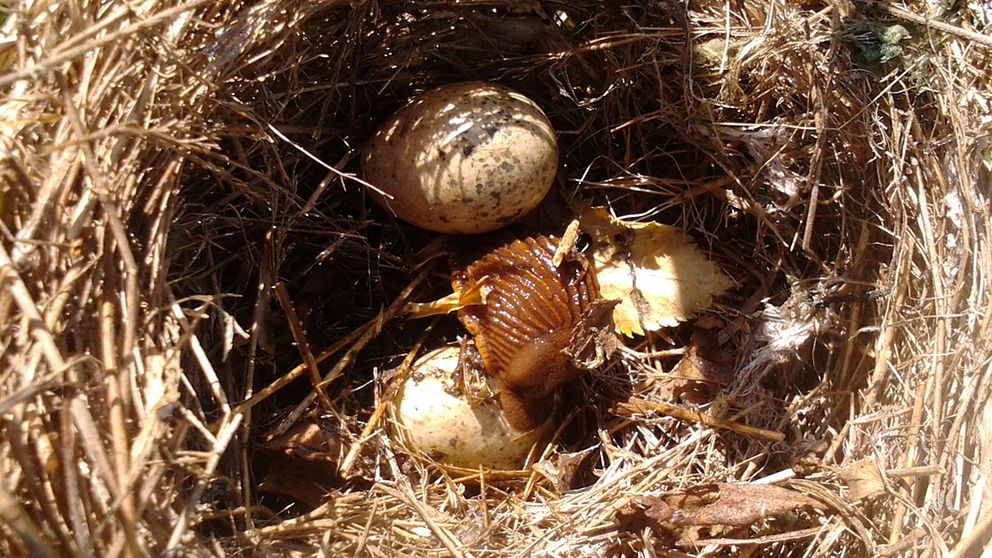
(874, 42)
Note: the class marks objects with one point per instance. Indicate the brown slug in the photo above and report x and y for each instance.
(524, 321)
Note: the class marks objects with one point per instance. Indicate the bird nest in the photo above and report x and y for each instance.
(202, 309)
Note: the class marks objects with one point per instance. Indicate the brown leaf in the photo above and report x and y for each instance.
(303, 462)
(572, 470)
(645, 511)
(307, 482)
(703, 370)
(593, 339)
(863, 479)
(308, 439)
(716, 508)
(736, 505)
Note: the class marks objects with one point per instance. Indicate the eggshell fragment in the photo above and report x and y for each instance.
(434, 418)
(463, 158)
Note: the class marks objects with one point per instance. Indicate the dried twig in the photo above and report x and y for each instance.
(967, 34)
(302, 345)
(636, 405)
(372, 329)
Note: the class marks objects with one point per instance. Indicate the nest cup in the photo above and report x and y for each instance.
(183, 233)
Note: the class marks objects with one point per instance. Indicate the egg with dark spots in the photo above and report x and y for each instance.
(464, 158)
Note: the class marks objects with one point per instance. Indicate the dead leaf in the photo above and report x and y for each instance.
(593, 340)
(570, 471)
(863, 478)
(303, 462)
(307, 482)
(660, 277)
(310, 440)
(713, 508)
(703, 370)
(566, 246)
(645, 511)
(736, 505)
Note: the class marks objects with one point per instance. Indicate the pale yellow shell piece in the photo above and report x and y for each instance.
(660, 277)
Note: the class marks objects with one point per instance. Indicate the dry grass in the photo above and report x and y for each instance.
(157, 181)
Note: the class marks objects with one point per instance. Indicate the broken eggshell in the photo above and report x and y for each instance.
(434, 417)
(463, 158)
(655, 271)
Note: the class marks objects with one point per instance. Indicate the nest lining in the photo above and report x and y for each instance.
(156, 190)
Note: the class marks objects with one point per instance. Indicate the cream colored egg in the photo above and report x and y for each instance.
(434, 418)
(463, 158)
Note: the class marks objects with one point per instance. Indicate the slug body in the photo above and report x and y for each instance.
(525, 322)
(534, 374)
(540, 366)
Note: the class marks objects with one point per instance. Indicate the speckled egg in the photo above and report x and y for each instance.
(433, 417)
(463, 158)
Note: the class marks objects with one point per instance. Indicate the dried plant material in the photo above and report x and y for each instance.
(660, 277)
(635, 406)
(138, 169)
(303, 461)
(305, 481)
(702, 371)
(566, 246)
(645, 511)
(863, 478)
(570, 470)
(310, 439)
(780, 337)
(593, 340)
(737, 505)
(718, 508)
